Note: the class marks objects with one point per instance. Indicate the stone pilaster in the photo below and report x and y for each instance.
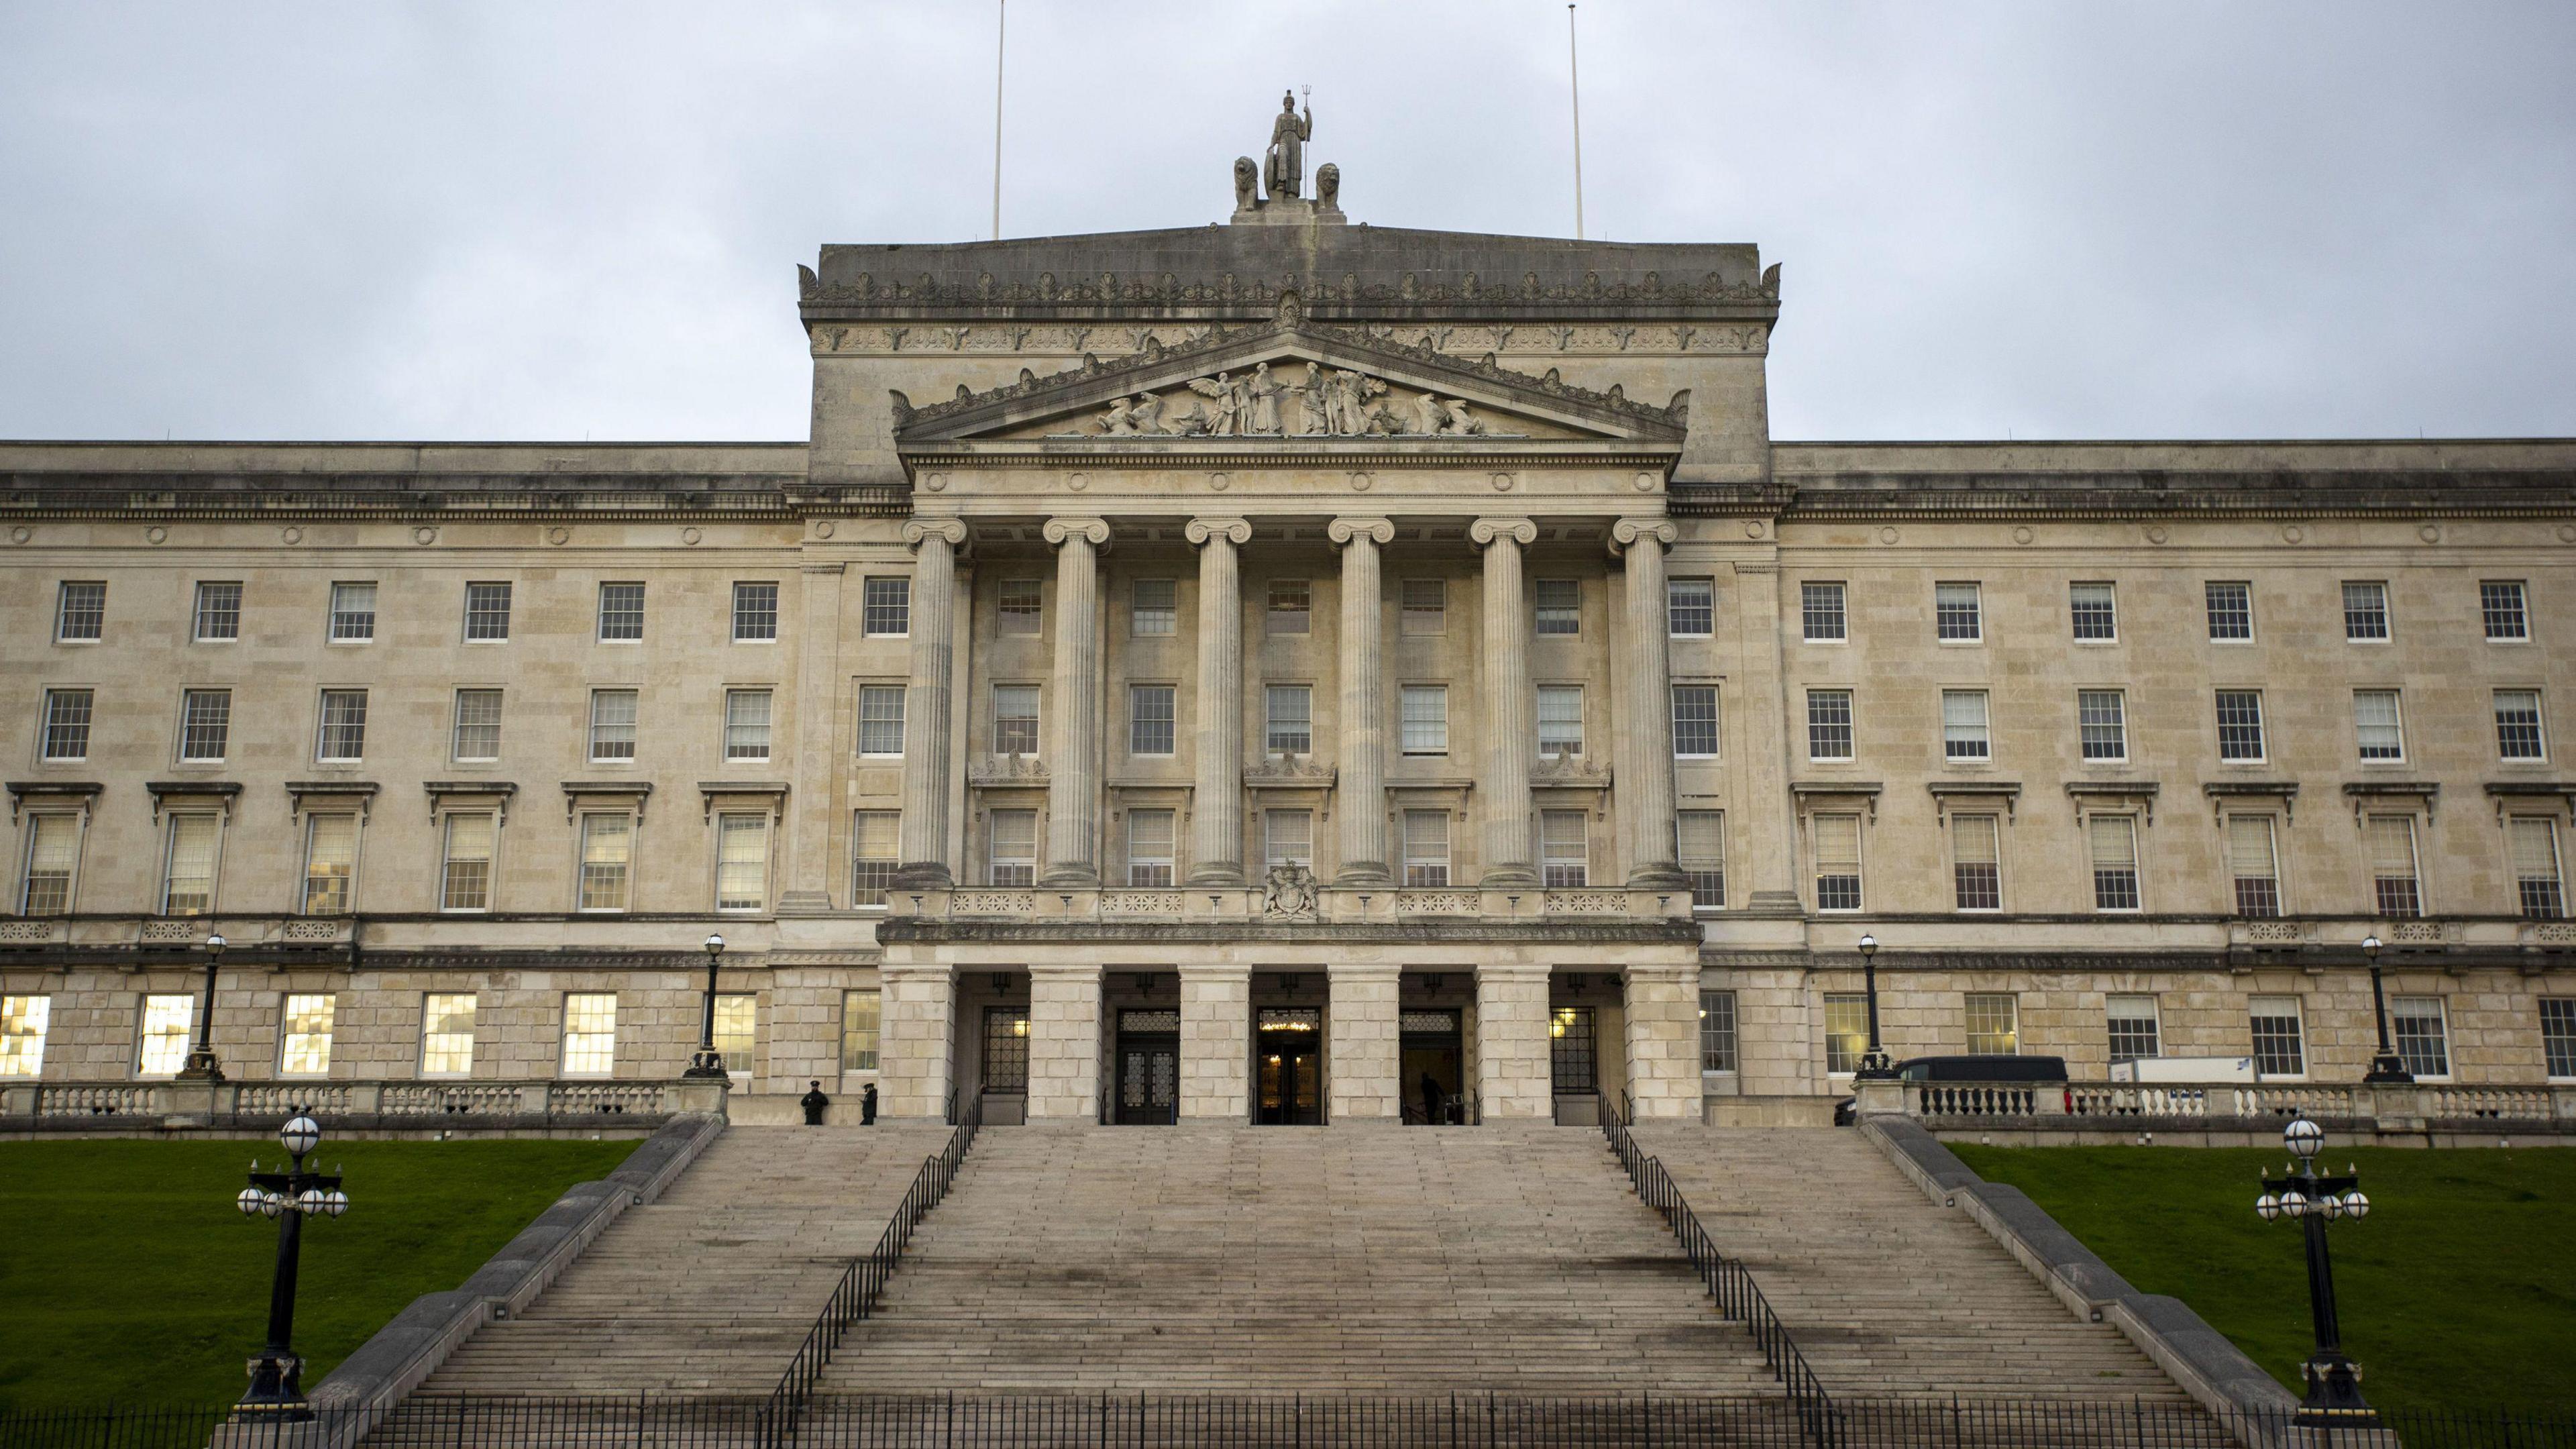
(1361, 756)
(1645, 739)
(923, 831)
(1366, 1072)
(1765, 622)
(1216, 1043)
(1514, 1078)
(1064, 1043)
(916, 1040)
(1663, 1039)
(806, 873)
(1216, 822)
(1073, 716)
(1503, 796)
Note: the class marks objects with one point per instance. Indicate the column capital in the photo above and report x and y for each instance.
(1376, 530)
(1235, 531)
(1628, 530)
(917, 531)
(1059, 531)
(1487, 531)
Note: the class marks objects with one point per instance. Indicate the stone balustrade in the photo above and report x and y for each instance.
(2252, 1107)
(1327, 905)
(376, 1106)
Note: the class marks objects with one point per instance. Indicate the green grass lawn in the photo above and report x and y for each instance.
(127, 1275)
(2458, 1291)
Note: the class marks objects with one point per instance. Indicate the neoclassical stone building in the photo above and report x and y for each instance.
(1289, 671)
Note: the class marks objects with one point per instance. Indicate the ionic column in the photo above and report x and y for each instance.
(1216, 1042)
(1367, 1077)
(1510, 723)
(1073, 718)
(1064, 1043)
(1645, 767)
(1362, 755)
(1216, 822)
(1515, 1079)
(923, 830)
(818, 767)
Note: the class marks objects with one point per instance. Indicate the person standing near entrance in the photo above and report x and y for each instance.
(868, 1105)
(814, 1102)
(1431, 1099)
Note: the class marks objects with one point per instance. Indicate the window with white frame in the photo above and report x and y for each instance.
(1958, 615)
(80, 612)
(2254, 863)
(2377, 726)
(589, 1033)
(1423, 607)
(742, 860)
(24, 1021)
(1559, 605)
(487, 612)
(1151, 837)
(1700, 840)
(1291, 719)
(746, 724)
(465, 865)
(1022, 607)
(1154, 608)
(737, 1031)
(1994, 1024)
(612, 725)
(1822, 617)
(343, 737)
(1829, 724)
(1426, 849)
(755, 612)
(621, 613)
(1015, 719)
(353, 613)
(67, 720)
(2231, 610)
(1846, 1032)
(1565, 851)
(447, 1034)
(2102, 725)
(478, 724)
(2365, 612)
(1695, 734)
(2423, 1034)
(2557, 1036)
(607, 854)
(205, 725)
(330, 862)
(52, 857)
(2131, 1022)
(1717, 1031)
(188, 870)
(2396, 889)
(2505, 610)
(875, 848)
(881, 721)
(2517, 725)
(161, 1045)
(1151, 725)
(1288, 837)
(1976, 863)
(1292, 606)
(2095, 611)
(1425, 719)
(1560, 719)
(1011, 848)
(2113, 843)
(885, 607)
(1690, 607)
(2240, 726)
(2538, 885)
(1837, 837)
(2280, 1043)
(862, 1017)
(1963, 726)
(218, 613)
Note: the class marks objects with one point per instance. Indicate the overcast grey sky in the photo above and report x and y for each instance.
(518, 220)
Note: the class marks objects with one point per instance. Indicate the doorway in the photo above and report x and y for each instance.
(1288, 1066)
(1149, 1068)
(1433, 1068)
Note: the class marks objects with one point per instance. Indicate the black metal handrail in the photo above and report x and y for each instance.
(1727, 1281)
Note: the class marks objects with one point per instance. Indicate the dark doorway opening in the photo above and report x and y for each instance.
(1434, 1064)
(1149, 1067)
(1288, 1066)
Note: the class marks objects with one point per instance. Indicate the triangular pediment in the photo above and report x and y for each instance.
(1289, 381)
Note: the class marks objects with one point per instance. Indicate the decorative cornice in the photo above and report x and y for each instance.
(925, 930)
(1167, 288)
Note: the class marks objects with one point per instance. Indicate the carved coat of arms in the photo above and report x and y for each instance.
(1290, 891)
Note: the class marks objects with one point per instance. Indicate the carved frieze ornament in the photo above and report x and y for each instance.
(1302, 400)
(1289, 891)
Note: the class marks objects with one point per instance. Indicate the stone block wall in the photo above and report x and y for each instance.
(1364, 1051)
(1064, 1043)
(1512, 1070)
(1216, 1043)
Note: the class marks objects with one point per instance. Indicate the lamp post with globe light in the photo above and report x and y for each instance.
(2385, 1064)
(2334, 1382)
(1875, 1065)
(202, 1065)
(291, 1196)
(707, 1061)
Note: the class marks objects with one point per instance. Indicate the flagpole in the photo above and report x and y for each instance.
(1001, 22)
(1574, 77)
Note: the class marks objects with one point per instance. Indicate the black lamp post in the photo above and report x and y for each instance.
(708, 1062)
(1874, 1063)
(2386, 1065)
(202, 1065)
(2334, 1383)
(276, 1376)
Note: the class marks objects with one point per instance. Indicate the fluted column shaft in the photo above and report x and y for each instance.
(1510, 725)
(1645, 778)
(1073, 719)
(1216, 825)
(923, 841)
(1361, 757)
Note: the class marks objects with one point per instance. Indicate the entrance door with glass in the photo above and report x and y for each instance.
(1288, 1066)
(1149, 1067)
(1433, 1064)
(1574, 1061)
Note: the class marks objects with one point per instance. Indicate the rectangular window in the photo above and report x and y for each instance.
(330, 862)
(1846, 1032)
(478, 724)
(353, 613)
(162, 1047)
(755, 613)
(590, 1034)
(2376, 727)
(1291, 606)
(875, 845)
(1560, 719)
(1149, 848)
(1150, 722)
(2557, 1035)
(2423, 1038)
(344, 725)
(746, 724)
(1565, 853)
(1574, 1049)
(1963, 725)
(2240, 726)
(188, 875)
(1829, 724)
(218, 613)
(2231, 610)
(1426, 849)
(2508, 616)
(2517, 725)
(1700, 836)
(465, 869)
(447, 1034)
(1015, 719)
(2253, 861)
(2536, 876)
(2096, 611)
(1690, 608)
(1291, 719)
(487, 611)
(2395, 887)
(1957, 615)
(1288, 837)
(53, 850)
(1011, 849)
(1022, 609)
(23, 1021)
(607, 850)
(1820, 609)
(1695, 721)
(205, 725)
(1425, 711)
(862, 1014)
(67, 717)
(1560, 606)
(737, 1031)
(1994, 1025)
(2113, 840)
(621, 613)
(80, 613)
(742, 862)
(1425, 607)
(2365, 612)
(2102, 724)
(1976, 863)
(881, 720)
(885, 608)
(2280, 1047)
(612, 725)
(1837, 862)
(1006, 1049)
(1717, 1031)
(1154, 608)
(2132, 1025)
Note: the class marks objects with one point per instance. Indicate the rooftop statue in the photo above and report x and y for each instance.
(1283, 168)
